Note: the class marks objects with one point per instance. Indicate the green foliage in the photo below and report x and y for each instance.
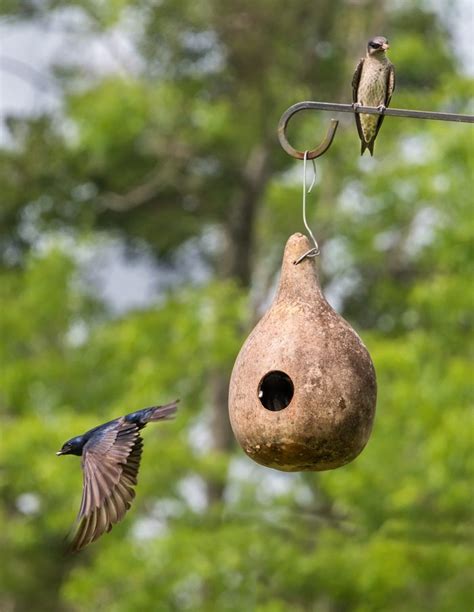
(158, 158)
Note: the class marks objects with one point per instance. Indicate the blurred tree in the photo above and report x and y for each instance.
(184, 146)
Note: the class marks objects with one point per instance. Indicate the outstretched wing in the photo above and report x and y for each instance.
(110, 463)
(355, 91)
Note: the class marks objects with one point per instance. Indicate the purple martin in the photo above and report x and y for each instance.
(111, 456)
(372, 85)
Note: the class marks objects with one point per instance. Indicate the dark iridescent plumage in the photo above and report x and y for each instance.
(111, 456)
(372, 85)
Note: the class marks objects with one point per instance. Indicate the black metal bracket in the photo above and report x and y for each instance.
(349, 108)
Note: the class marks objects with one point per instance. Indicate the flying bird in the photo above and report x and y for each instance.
(111, 456)
(372, 85)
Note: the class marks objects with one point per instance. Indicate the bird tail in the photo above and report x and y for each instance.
(160, 413)
(367, 145)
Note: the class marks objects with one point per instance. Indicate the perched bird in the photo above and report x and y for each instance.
(372, 85)
(111, 456)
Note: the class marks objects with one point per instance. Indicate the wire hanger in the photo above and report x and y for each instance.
(315, 250)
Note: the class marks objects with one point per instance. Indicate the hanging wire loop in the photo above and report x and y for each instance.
(314, 251)
(348, 108)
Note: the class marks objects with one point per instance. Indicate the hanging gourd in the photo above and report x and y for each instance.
(303, 390)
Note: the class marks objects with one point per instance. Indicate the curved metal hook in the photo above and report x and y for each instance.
(313, 153)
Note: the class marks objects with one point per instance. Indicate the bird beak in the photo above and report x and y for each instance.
(385, 46)
(59, 453)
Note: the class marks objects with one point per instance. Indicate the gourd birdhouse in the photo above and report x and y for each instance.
(303, 390)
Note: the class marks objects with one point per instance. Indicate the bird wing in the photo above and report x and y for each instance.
(355, 91)
(356, 79)
(110, 463)
(390, 86)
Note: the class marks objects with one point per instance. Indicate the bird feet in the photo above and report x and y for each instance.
(356, 105)
(381, 108)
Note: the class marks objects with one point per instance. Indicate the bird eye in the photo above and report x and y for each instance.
(374, 45)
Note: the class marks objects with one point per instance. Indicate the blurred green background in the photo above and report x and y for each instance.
(145, 203)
